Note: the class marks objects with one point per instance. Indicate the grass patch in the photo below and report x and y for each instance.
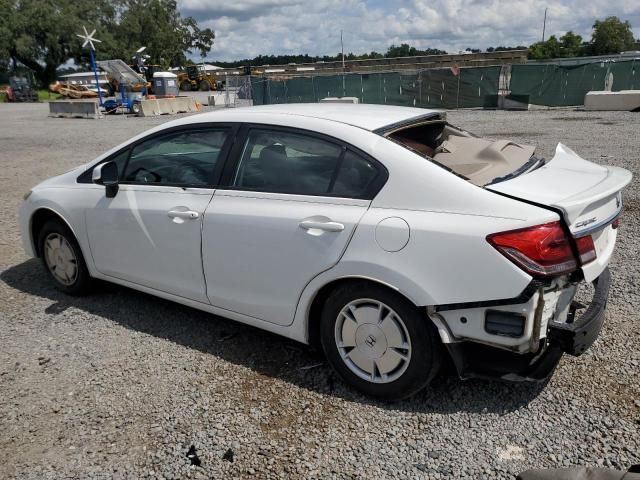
(45, 95)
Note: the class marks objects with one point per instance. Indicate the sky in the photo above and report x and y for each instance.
(246, 28)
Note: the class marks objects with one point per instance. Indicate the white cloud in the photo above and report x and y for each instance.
(246, 28)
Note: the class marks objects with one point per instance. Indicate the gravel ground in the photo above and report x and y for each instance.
(121, 384)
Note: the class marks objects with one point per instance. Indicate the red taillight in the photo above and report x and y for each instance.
(542, 250)
(586, 249)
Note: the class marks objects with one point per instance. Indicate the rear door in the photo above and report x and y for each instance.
(588, 195)
(292, 203)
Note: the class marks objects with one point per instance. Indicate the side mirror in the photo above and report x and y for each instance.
(106, 174)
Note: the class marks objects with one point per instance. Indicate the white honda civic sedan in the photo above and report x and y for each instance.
(385, 235)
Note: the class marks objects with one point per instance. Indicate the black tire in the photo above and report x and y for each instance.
(204, 86)
(81, 284)
(426, 350)
(185, 86)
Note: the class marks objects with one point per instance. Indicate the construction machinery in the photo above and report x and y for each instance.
(197, 78)
(141, 66)
(20, 90)
(130, 85)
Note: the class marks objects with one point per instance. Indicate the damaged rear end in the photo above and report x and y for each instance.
(533, 331)
(523, 338)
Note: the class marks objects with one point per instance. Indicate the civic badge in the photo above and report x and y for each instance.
(586, 222)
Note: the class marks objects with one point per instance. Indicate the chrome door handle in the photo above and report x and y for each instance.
(326, 226)
(188, 214)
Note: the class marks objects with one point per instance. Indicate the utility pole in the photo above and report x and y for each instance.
(544, 24)
(342, 49)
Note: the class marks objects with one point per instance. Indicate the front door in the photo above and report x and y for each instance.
(292, 207)
(150, 232)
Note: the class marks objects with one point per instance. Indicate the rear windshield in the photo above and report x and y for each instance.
(478, 160)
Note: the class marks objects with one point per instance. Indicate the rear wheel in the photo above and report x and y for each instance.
(204, 86)
(62, 258)
(185, 86)
(378, 341)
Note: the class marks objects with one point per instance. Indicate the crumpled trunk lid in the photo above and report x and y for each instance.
(588, 195)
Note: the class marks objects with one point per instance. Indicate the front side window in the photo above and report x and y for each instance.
(121, 161)
(180, 158)
(286, 162)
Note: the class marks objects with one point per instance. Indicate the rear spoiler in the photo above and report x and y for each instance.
(413, 121)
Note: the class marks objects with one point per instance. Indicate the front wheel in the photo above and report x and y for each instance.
(63, 260)
(378, 341)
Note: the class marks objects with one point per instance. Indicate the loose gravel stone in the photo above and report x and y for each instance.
(120, 384)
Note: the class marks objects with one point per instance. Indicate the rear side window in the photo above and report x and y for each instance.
(180, 158)
(355, 176)
(286, 162)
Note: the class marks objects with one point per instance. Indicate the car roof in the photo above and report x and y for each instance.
(367, 117)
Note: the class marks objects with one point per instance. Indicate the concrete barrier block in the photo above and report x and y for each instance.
(167, 106)
(624, 100)
(340, 100)
(74, 109)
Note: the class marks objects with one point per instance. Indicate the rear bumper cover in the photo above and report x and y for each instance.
(574, 337)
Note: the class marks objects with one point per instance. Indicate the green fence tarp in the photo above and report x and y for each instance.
(440, 88)
(538, 84)
(558, 85)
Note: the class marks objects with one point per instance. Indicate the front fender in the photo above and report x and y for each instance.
(67, 204)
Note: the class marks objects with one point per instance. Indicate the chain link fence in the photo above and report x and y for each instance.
(237, 91)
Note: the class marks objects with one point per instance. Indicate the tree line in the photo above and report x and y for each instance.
(609, 36)
(402, 50)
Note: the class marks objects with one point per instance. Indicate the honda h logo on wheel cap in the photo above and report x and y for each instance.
(370, 341)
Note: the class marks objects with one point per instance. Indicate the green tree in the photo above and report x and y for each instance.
(402, 50)
(502, 48)
(611, 35)
(406, 50)
(41, 34)
(158, 25)
(550, 48)
(571, 44)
